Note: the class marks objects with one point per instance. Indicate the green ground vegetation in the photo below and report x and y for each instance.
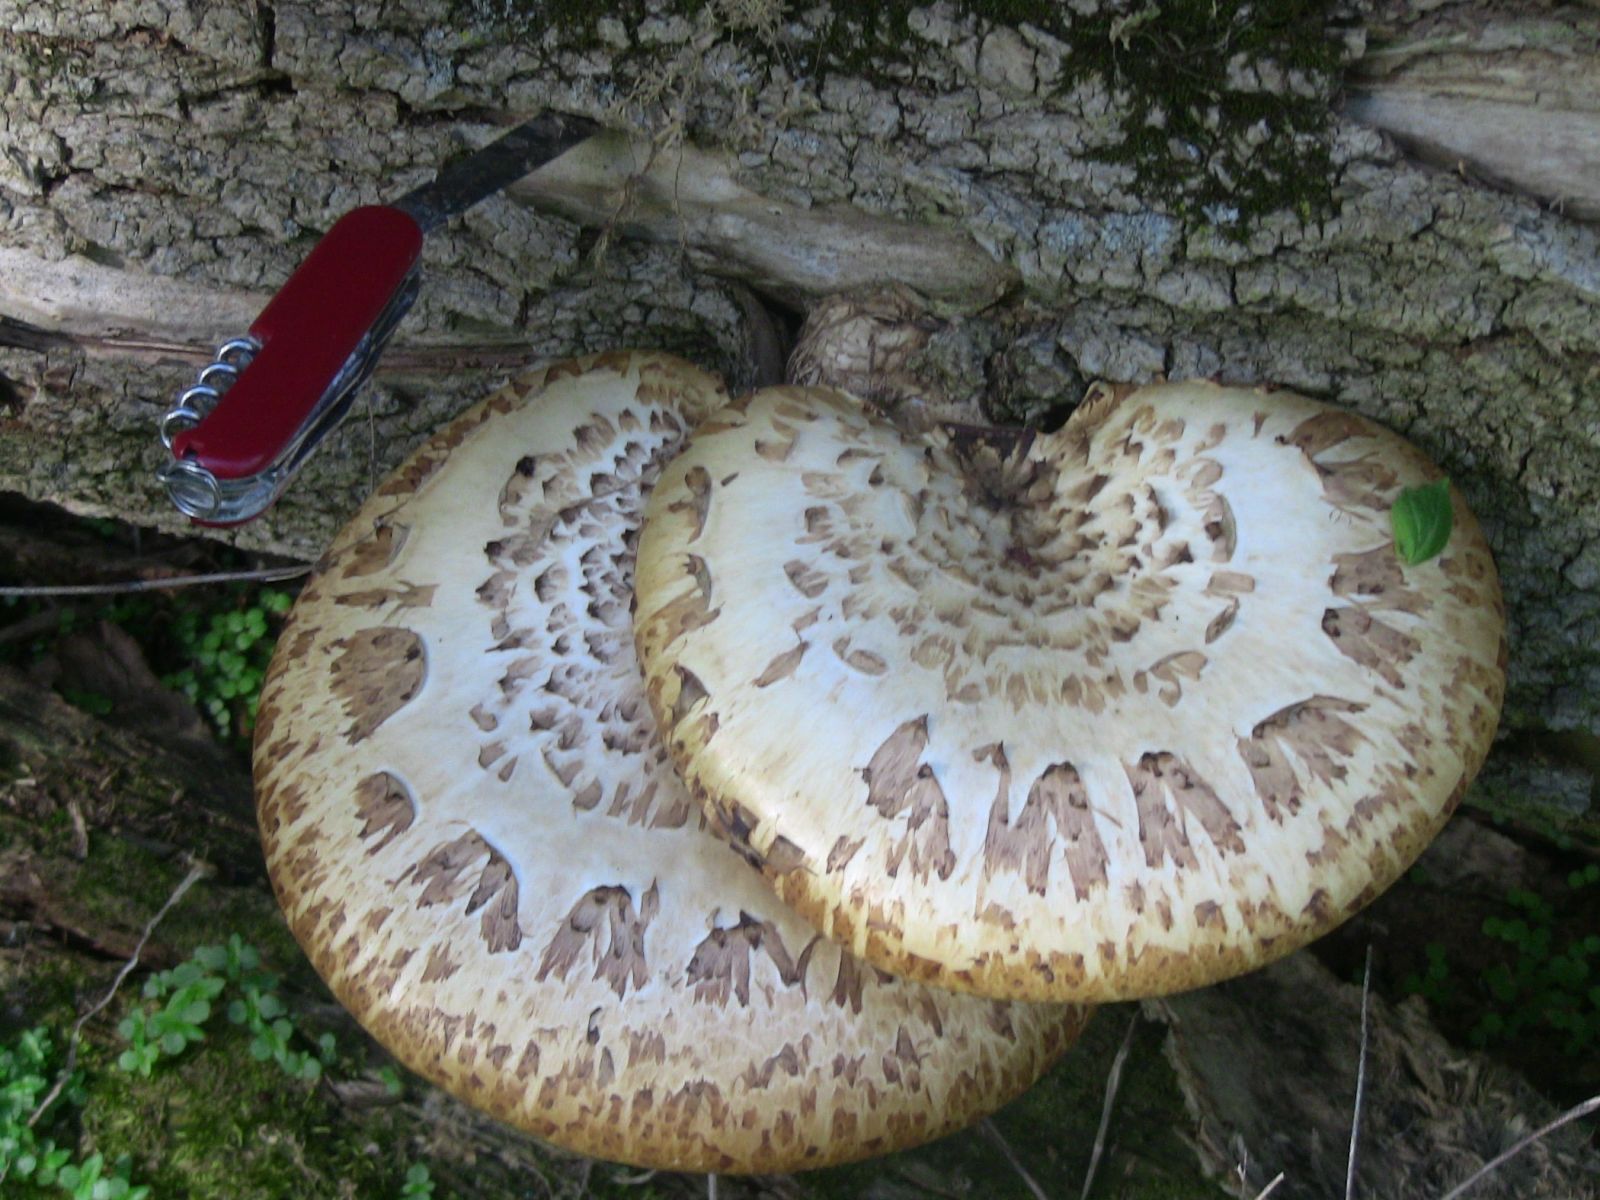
(211, 644)
(225, 655)
(1539, 984)
(131, 1122)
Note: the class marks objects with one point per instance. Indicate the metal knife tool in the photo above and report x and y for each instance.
(254, 416)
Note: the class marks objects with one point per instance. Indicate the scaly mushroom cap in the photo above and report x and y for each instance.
(477, 837)
(1150, 706)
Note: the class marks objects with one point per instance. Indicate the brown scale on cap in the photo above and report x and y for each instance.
(477, 836)
(1152, 700)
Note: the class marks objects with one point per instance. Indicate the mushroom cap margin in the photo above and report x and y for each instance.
(1237, 720)
(492, 948)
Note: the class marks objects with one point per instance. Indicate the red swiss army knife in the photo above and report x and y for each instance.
(239, 435)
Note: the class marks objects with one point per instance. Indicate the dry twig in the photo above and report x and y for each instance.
(1592, 1104)
(266, 575)
(1361, 1082)
(196, 873)
(1113, 1082)
(990, 1128)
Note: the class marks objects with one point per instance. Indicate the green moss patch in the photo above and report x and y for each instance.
(222, 1123)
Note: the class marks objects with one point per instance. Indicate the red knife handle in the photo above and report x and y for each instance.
(309, 335)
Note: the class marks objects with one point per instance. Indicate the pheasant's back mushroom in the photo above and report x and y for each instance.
(1146, 706)
(476, 835)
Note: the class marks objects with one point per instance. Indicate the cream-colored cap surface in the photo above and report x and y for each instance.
(477, 837)
(1146, 707)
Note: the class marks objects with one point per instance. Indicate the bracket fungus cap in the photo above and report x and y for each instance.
(1148, 704)
(477, 838)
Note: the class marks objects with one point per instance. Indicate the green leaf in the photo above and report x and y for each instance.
(1500, 983)
(212, 958)
(196, 1012)
(1421, 520)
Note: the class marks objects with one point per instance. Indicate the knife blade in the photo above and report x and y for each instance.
(241, 433)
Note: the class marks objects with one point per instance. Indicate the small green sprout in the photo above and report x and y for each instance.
(191, 986)
(1432, 984)
(418, 1185)
(1421, 520)
(1545, 983)
(179, 1005)
(89, 1181)
(26, 1068)
(227, 655)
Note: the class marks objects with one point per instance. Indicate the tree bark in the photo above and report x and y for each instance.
(1512, 98)
(167, 165)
